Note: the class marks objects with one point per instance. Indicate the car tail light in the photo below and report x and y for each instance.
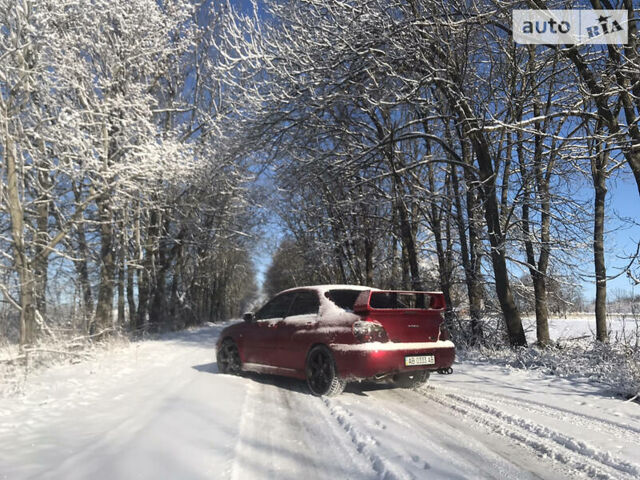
(369, 331)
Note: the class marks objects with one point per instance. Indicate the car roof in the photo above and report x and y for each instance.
(325, 288)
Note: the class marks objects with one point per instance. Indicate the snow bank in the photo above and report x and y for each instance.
(575, 353)
(616, 365)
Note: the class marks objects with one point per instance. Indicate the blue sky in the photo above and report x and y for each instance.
(623, 235)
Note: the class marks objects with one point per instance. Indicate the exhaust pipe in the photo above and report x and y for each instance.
(445, 371)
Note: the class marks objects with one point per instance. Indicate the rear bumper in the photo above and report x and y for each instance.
(368, 360)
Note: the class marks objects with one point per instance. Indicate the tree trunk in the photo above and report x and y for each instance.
(435, 223)
(158, 309)
(121, 278)
(542, 310)
(473, 130)
(468, 251)
(148, 275)
(131, 299)
(407, 233)
(41, 239)
(475, 286)
(26, 276)
(598, 165)
(175, 309)
(405, 281)
(393, 254)
(537, 270)
(136, 315)
(496, 240)
(406, 230)
(143, 298)
(104, 307)
(368, 260)
(82, 268)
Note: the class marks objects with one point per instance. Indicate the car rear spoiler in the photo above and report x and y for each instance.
(370, 300)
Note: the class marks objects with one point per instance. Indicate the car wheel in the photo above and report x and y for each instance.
(411, 379)
(228, 357)
(322, 377)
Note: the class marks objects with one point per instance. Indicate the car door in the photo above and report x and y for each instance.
(261, 337)
(293, 335)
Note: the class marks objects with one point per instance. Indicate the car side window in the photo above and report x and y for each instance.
(305, 303)
(343, 298)
(276, 308)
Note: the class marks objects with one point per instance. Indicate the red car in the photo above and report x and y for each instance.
(332, 334)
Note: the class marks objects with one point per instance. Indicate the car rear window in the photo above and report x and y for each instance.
(399, 300)
(343, 298)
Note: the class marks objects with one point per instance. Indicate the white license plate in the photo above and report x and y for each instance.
(412, 360)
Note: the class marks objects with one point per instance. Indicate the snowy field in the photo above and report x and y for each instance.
(159, 410)
(578, 326)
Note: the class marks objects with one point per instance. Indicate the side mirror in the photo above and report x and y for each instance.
(248, 317)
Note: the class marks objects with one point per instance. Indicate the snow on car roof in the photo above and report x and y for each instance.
(325, 288)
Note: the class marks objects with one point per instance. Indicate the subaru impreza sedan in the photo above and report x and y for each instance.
(329, 335)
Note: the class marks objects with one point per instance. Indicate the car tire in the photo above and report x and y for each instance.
(411, 379)
(321, 373)
(228, 358)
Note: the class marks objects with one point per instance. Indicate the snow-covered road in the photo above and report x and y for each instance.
(159, 410)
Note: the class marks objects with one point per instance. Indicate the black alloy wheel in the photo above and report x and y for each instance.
(322, 377)
(229, 358)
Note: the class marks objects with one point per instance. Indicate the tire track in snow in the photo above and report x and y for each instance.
(465, 449)
(402, 439)
(365, 444)
(586, 421)
(246, 417)
(546, 441)
(285, 434)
